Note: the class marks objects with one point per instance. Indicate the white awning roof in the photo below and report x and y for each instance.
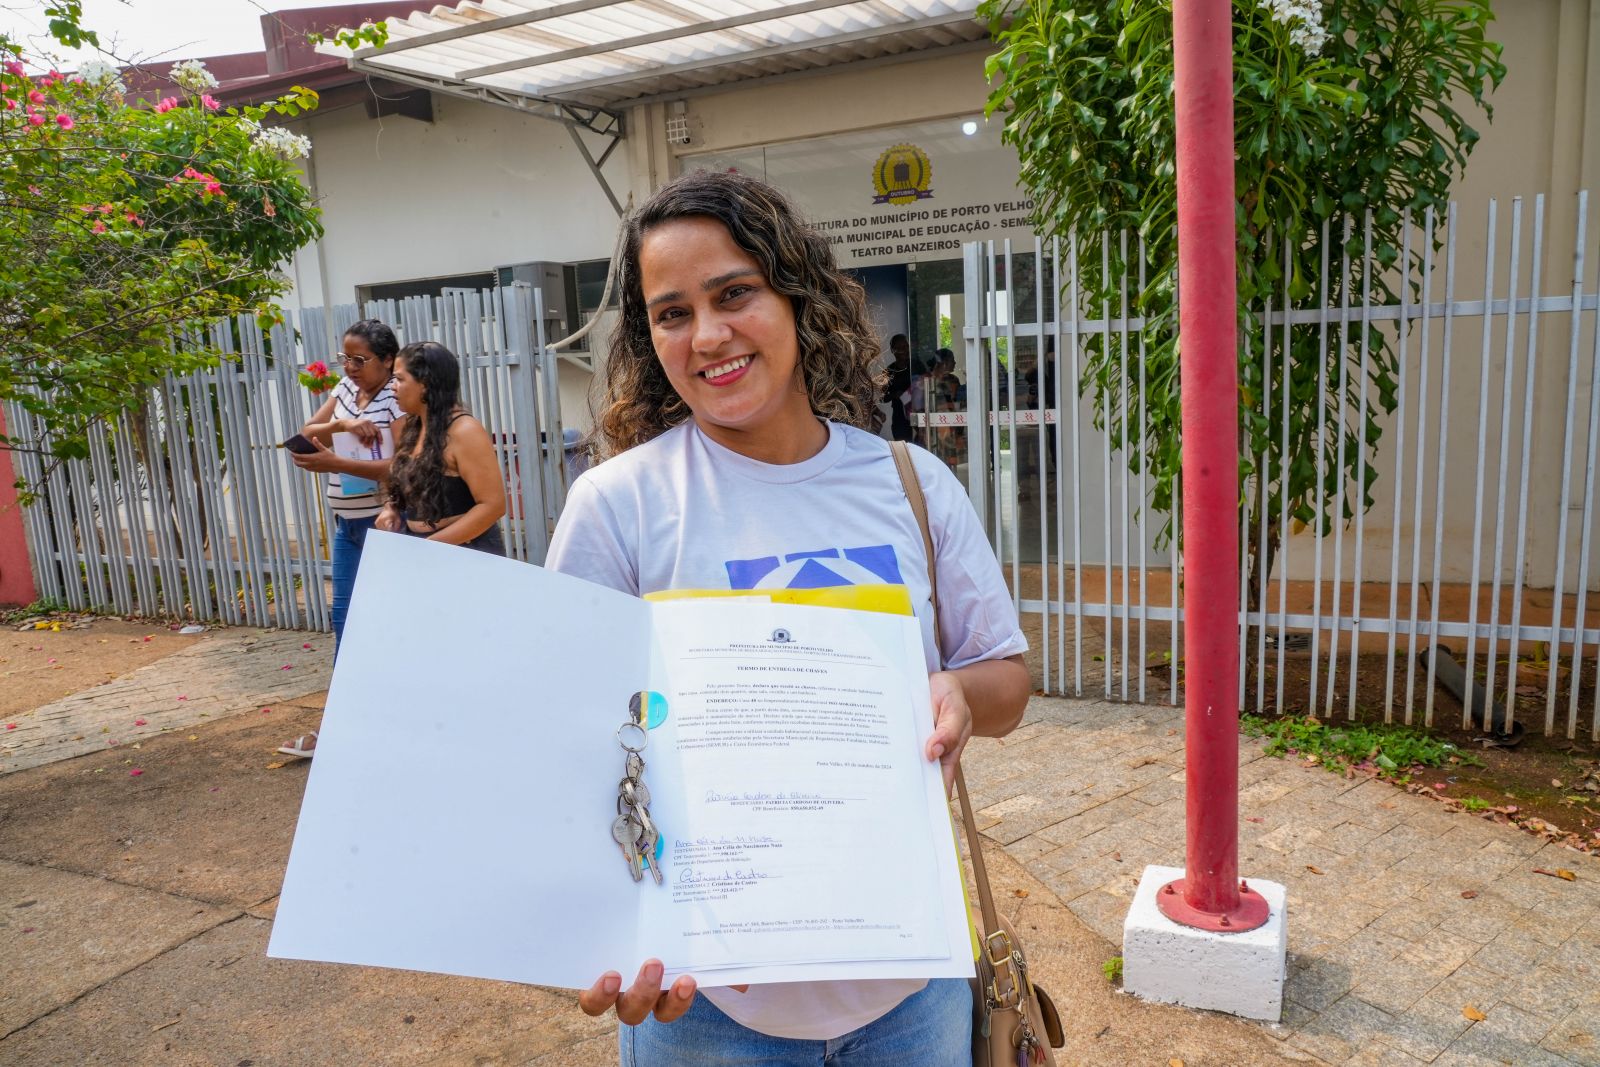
(593, 56)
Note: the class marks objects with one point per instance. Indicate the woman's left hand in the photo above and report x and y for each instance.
(952, 723)
(323, 461)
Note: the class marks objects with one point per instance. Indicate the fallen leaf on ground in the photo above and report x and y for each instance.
(136, 772)
(1560, 872)
(1252, 818)
(1117, 856)
(1014, 892)
(1313, 869)
(1174, 1062)
(138, 722)
(1473, 1013)
(275, 766)
(1468, 894)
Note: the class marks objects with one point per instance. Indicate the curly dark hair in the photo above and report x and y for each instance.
(416, 483)
(837, 342)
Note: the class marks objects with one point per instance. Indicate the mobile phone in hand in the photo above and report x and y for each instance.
(300, 444)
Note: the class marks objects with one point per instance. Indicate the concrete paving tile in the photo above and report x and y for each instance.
(1396, 988)
(1318, 984)
(1428, 1026)
(230, 1003)
(1512, 952)
(1031, 848)
(1471, 1050)
(1577, 1036)
(1342, 1031)
(1382, 1056)
(1348, 838)
(63, 934)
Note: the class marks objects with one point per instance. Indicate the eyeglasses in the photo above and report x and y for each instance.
(355, 362)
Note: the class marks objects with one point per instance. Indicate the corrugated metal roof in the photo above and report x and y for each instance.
(602, 53)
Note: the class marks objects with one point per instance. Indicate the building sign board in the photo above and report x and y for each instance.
(899, 195)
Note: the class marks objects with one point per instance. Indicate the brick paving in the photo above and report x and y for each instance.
(225, 673)
(1385, 953)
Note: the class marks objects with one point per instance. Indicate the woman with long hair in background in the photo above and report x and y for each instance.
(445, 483)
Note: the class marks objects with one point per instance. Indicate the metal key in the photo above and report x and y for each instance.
(647, 846)
(627, 830)
(635, 766)
(634, 793)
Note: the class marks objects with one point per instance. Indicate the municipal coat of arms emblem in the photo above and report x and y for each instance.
(902, 175)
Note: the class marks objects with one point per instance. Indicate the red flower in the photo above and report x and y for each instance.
(65, 122)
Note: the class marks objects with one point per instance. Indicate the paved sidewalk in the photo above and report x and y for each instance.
(1386, 952)
(219, 675)
(134, 910)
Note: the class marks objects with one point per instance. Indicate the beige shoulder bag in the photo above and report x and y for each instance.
(1012, 1017)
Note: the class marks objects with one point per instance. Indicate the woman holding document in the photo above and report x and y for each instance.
(739, 397)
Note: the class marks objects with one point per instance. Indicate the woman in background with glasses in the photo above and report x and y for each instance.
(363, 405)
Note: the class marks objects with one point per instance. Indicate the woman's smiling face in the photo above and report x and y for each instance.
(725, 338)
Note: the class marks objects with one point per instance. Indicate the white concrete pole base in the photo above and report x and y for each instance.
(1241, 974)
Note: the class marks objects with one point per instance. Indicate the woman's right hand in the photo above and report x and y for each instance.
(644, 997)
(365, 430)
(390, 521)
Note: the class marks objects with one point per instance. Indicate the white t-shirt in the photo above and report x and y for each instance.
(681, 512)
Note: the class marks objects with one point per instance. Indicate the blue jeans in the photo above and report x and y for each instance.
(931, 1028)
(348, 537)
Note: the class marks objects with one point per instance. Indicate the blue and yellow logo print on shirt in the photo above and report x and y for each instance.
(867, 578)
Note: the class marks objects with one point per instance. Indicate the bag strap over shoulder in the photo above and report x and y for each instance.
(919, 507)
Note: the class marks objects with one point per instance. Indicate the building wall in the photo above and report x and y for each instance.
(1544, 138)
(480, 187)
(484, 186)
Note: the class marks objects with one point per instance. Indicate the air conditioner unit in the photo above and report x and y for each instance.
(550, 279)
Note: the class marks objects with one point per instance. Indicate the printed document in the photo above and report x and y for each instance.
(458, 813)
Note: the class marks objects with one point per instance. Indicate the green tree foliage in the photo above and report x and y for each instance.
(125, 223)
(1348, 117)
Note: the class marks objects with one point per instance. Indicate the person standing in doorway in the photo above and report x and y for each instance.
(363, 405)
(897, 389)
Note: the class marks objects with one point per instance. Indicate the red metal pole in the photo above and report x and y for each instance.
(1210, 894)
(16, 575)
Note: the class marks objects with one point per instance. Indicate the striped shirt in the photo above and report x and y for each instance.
(382, 410)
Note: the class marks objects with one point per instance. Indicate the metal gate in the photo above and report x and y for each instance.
(186, 508)
(1481, 534)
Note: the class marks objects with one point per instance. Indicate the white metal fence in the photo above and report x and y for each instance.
(1481, 535)
(186, 508)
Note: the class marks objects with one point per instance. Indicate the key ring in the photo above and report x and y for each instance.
(643, 737)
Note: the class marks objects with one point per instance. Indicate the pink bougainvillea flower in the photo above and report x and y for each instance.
(288, 666)
(104, 209)
(133, 218)
(35, 119)
(98, 227)
(11, 726)
(318, 368)
(15, 68)
(65, 122)
(183, 698)
(35, 96)
(213, 188)
(138, 722)
(209, 102)
(11, 105)
(166, 104)
(305, 646)
(136, 772)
